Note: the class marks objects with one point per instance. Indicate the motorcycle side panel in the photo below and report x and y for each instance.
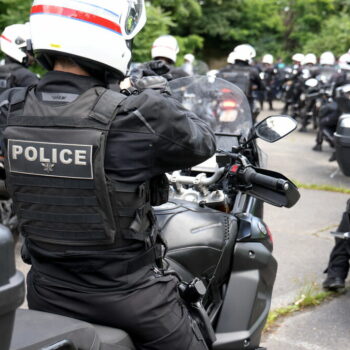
(198, 238)
(248, 297)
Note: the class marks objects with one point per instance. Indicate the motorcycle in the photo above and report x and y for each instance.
(217, 243)
(290, 91)
(342, 133)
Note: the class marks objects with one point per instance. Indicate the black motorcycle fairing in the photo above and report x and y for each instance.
(199, 239)
(248, 298)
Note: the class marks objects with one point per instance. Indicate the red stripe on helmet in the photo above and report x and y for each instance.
(75, 14)
(7, 39)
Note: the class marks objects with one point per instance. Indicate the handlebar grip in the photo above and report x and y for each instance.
(266, 181)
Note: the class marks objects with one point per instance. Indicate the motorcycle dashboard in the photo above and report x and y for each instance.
(219, 103)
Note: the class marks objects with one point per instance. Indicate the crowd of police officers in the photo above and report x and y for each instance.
(308, 89)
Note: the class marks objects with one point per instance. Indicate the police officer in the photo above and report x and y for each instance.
(84, 165)
(239, 72)
(166, 48)
(329, 113)
(338, 266)
(269, 73)
(13, 43)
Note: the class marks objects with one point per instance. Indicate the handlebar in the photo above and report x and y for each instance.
(200, 179)
(250, 176)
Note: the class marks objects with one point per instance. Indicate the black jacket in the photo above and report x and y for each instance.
(255, 81)
(22, 77)
(161, 138)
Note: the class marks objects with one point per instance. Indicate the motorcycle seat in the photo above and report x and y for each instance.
(35, 330)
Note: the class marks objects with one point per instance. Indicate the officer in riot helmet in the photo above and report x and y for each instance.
(188, 64)
(240, 72)
(14, 72)
(297, 59)
(269, 76)
(165, 48)
(85, 166)
(327, 70)
(310, 69)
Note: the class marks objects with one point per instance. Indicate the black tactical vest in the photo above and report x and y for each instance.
(239, 76)
(7, 80)
(55, 174)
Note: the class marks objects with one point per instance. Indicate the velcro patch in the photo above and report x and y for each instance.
(50, 159)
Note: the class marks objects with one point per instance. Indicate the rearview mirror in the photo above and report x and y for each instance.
(275, 128)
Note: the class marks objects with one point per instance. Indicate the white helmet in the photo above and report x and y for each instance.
(95, 33)
(327, 58)
(310, 58)
(189, 58)
(268, 59)
(298, 57)
(231, 57)
(165, 46)
(244, 52)
(344, 61)
(13, 42)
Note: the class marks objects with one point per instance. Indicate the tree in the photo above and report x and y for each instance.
(334, 36)
(14, 11)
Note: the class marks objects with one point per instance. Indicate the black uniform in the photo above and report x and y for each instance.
(15, 75)
(245, 77)
(338, 265)
(114, 280)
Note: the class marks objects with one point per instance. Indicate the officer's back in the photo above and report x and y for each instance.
(84, 167)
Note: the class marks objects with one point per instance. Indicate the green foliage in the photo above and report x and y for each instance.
(214, 27)
(14, 11)
(334, 36)
(158, 23)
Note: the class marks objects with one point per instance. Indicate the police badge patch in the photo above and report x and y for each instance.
(50, 159)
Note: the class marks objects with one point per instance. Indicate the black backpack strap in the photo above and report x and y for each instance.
(106, 106)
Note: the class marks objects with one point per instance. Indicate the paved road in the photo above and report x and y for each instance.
(303, 243)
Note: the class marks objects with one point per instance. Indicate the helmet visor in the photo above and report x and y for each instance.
(135, 18)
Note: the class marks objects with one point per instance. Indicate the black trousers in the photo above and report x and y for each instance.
(154, 315)
(329, 115)
(338, 265)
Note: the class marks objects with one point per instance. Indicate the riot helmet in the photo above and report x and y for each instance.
(267, 59)
(165, 46)
(95, 34)
(13, 42)
(310, 58)
(327, 58)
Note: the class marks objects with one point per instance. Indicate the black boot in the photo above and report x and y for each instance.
(317, 147)
(333, 283)
(333, 157)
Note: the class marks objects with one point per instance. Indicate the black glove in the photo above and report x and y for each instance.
(152, 68)
(151, 82)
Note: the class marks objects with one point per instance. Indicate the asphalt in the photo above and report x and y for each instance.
(302, 244)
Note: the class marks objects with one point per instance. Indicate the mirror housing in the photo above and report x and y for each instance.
(275, 128)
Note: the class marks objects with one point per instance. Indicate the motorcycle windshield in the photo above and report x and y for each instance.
(219, 103)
